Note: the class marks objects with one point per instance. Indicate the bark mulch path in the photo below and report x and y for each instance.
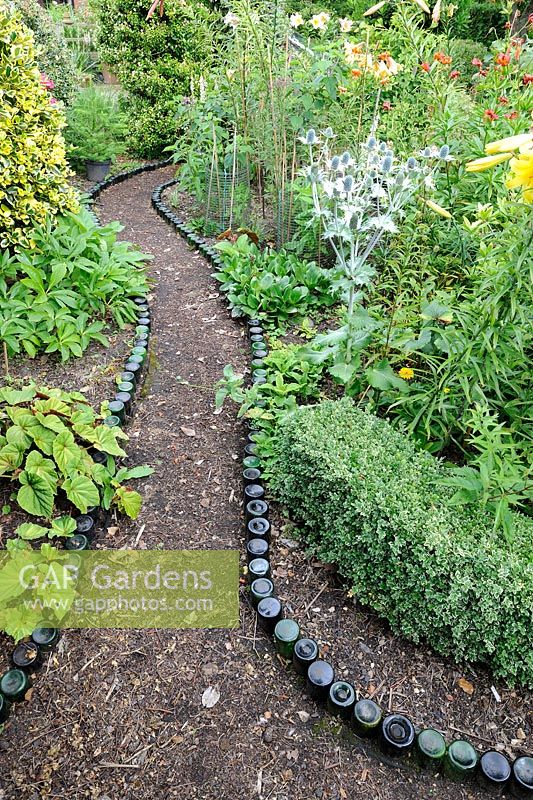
(118, 714)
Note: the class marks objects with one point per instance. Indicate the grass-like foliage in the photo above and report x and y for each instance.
(370, 503)
(45, 438)
(57, 295)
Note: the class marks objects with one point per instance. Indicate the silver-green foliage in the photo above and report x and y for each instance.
(369, 502)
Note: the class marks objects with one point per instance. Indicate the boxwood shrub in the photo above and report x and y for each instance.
(372, 504)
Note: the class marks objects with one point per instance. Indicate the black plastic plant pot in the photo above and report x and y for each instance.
(27, 656)
(14, 684)
(522, 778)
(494, 772)
(112, 421)
(254, 491)
(5, 708)
(460, 761)
(320, 677)
(78, 542)
(258, 568)
(97, 170)
(397, 735)
(366, 718)
(259, 589)
(258, 528)
(256, 508)
(252, 475)
(126, 398)
(341, 699)
(45, 638)
(256, 548)
(430, 748)
(305, 653)
(85, 524)
(286, 634)
(118, 409)
(269, 613)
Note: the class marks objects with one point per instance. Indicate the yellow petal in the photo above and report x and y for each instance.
(511, 143)
(425, 8)
(375, 8)
(487, 162)
(437, 209)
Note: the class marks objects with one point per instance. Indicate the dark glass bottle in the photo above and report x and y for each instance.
(94, 512)
(254, 491)
(397, 735)
(257, 347)
(286, 634)
(117, 409)
(260, 588)
(260, 354)
(305, 654)
(430, 748)
(460, 761)
(85, 524)
(258, 363)
(250, 449)
(14, 684)
(258, 528)
(494, 772)
(341, 699)
(259, 373)
(138, 350)
(142, 329)
(320, 677)
(269, 612)
(78, 542)
(256, 548)
(5, 707)
(254, 435)
(112, 421)
(257, 337)
(45, 638)
(98, 457)
(253, 323)
(252, 475)
(258, 568)
(133, 359)
(126, 399)
(144, 321)
(126, 386)
(127, 377)
(255, 330)
(26, 655)
(135, 368)
(366, 719)
(522, 778)
(251, 462)
(256, 508)
(140, 301)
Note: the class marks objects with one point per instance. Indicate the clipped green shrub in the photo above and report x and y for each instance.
(53, 55)
(154, 60)
(33, 167)
(370, 503)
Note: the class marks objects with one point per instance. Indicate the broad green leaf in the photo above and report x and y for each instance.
(81, 491)
(436, 310)
(128, 501)
(19, 621)
(382, 376)
(344, 373)
(66, 452)
(13, 396)
(43, 438)
(10, 583)
(51, 422)
(17, 436)
(10, 458)
(30, 530)
(62, 526)
(35, 495)
(105, 439)
(126, 474)
(44, 467)
(52, 405)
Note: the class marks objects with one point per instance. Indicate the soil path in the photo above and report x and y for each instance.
(118, 715)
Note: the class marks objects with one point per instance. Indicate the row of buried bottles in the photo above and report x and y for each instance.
(28, 655)
(395, 733)
(119, 409)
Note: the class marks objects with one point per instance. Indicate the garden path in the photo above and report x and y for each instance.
(117, 715)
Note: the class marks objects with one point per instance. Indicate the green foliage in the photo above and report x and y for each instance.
(274, 285)
(95, 126)
(154, 60)
(45, 438)
(370, 503)
(56, 296)
(51, 50)
(33, 168)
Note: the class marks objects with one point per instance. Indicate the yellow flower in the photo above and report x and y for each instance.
(406, 373)
(446, 390)
(437, 209)
(511, 143)
(320, 21)
(521, 175)
(487, 162)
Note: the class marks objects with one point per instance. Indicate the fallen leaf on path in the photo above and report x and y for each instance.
(210, 697)
(466, 686)
(188, 431)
